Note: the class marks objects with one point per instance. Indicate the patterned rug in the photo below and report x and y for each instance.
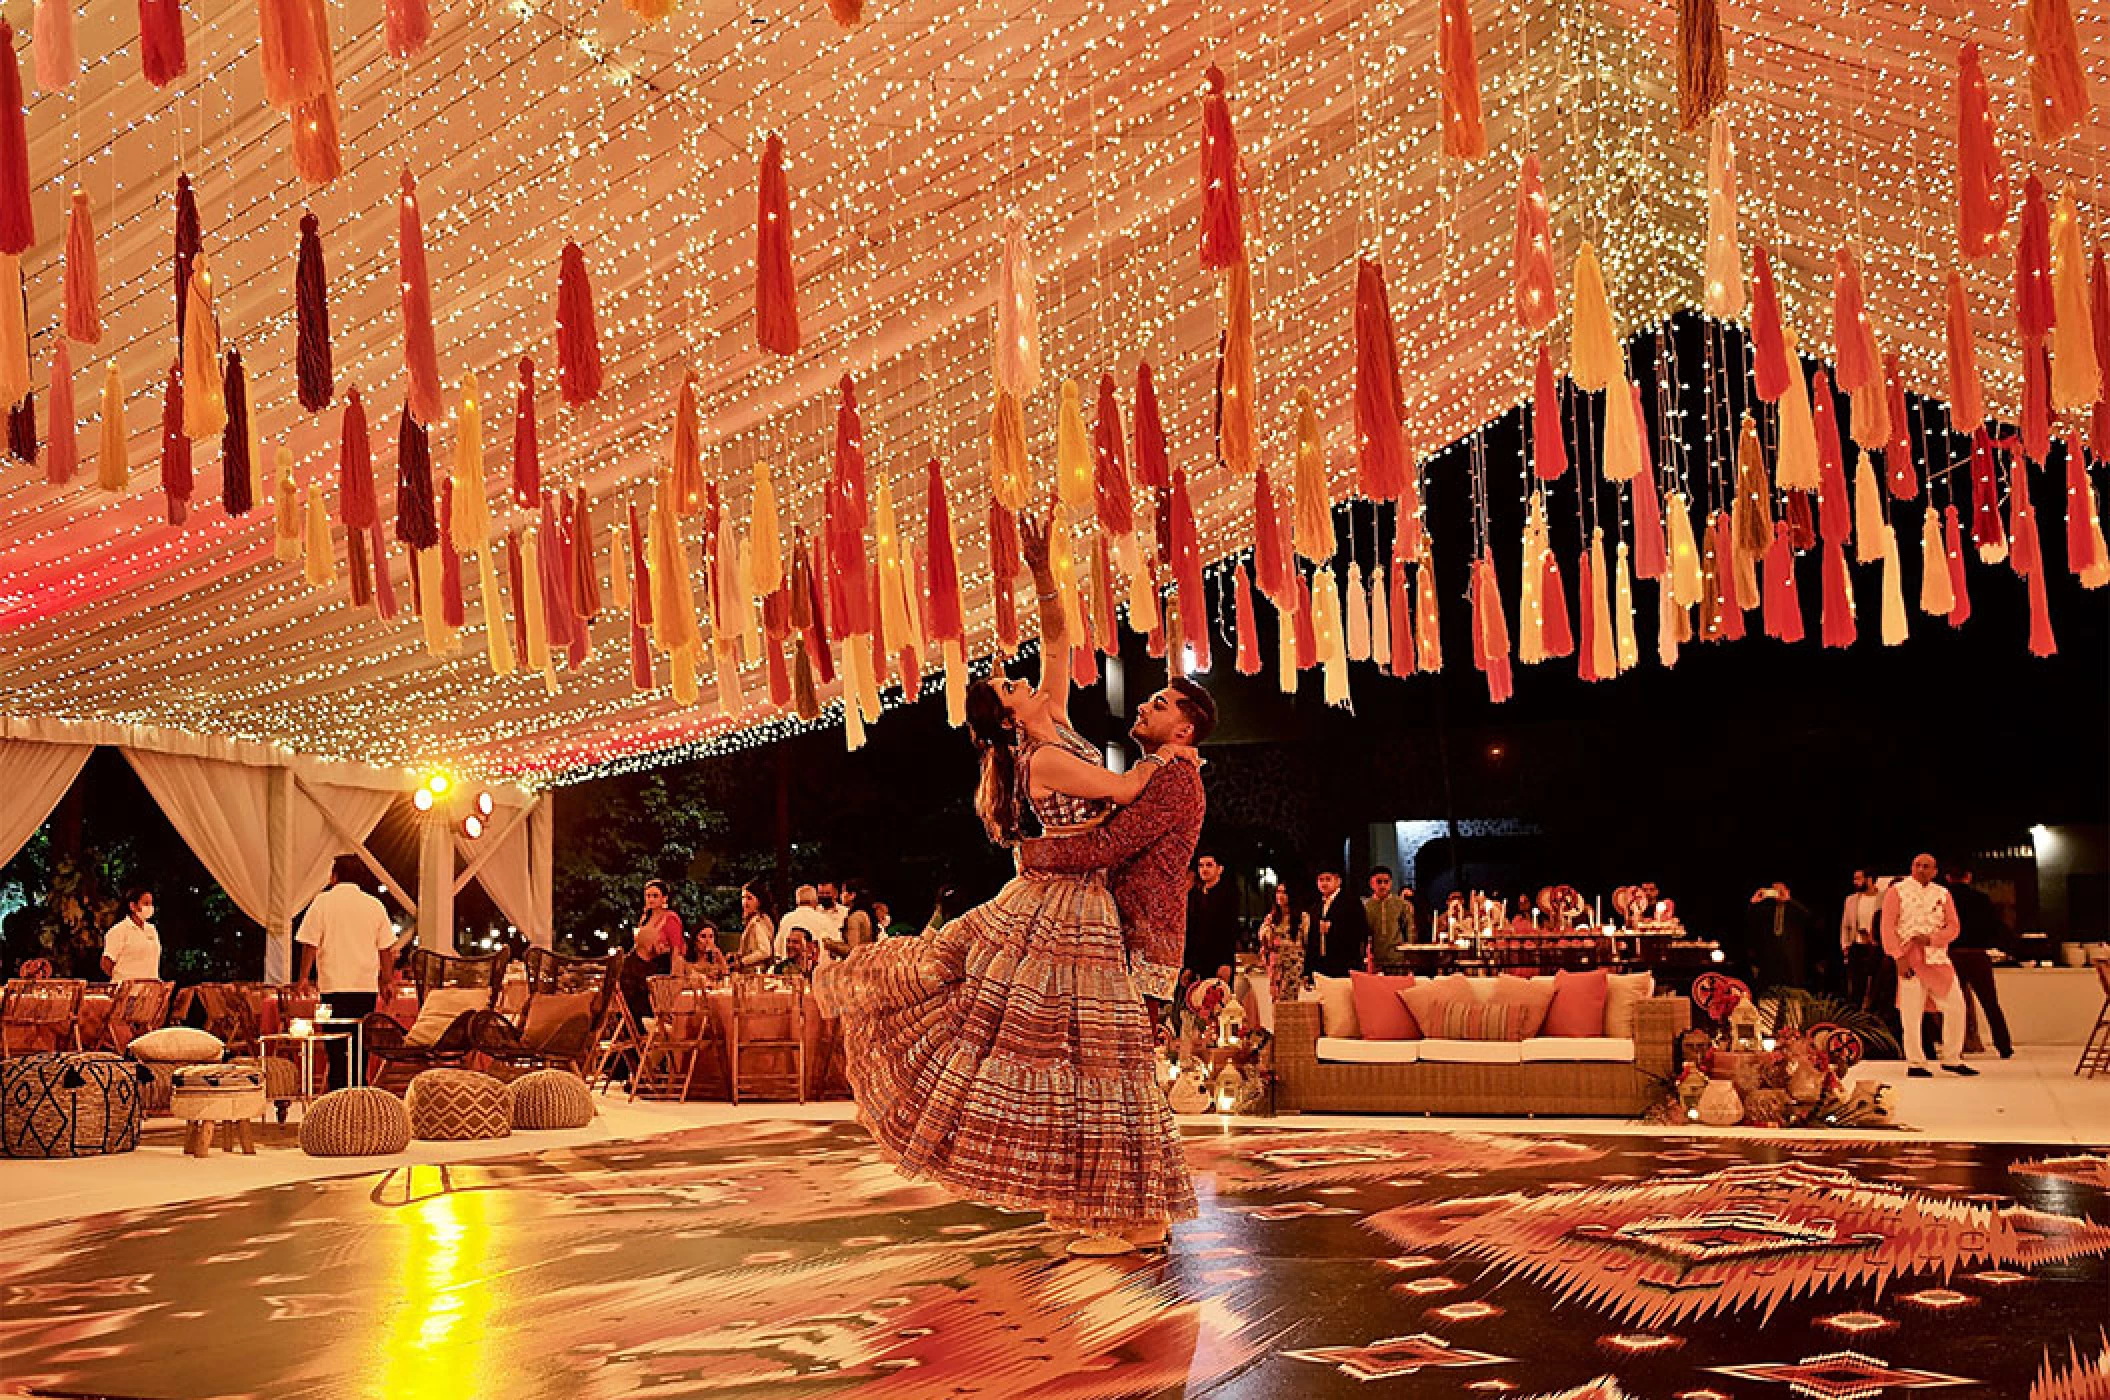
(785, 1260)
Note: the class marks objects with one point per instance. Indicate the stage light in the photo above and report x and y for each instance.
(484, 804)
(437, 784)
(472, 826)
(422, 799)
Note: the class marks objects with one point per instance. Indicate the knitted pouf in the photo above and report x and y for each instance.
(355, 1123)
(551, 1098)
(68, 1105)
(453, 1105)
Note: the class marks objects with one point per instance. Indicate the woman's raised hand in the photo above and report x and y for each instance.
(1033, 542)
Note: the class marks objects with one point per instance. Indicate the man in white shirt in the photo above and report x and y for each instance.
(1857, 937)
(132, 947)
(1919, 924)
(346, 931)
(808, 918)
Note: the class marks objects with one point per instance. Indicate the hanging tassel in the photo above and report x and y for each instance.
(113, 465)
(1595, 359)
(847, 13)
(1869, 528)
(1688, 585)
(1239, 390)
(318, 154)
(1003, 575)
(384, 591)
(2099, 317)
(1838, 600)
(1073, 457)
(62, 454)
(1770, 343)
(2036, 402)
(1357, 618)
(1187, 572)
(2041, 641)
(407, 24)
(14, 333)
(1981, 175)
(2035, 308)
(766, 562)
(1428, 630)
(685, 485)
(1672, 626)
(291, 53)
(1959, 583)
(1490, 631)
(1314, 538)
(1531, 574)
(237, 452)
(2058, 84)
(1853, 334)
(535, 622)
(2025, 558)
(1624, 432)
(948, 627)
(1271, 560)
(420, 356)
(1724, 295)
(1626, 640)
(311, 317)
(776, 292)
(1598, 652)
(585, 575)
(1380, 617)
(417, 525)
(1703, 62)
(1802, 526)
(84, 315)
(1381, 447)
(469, 523)
(1751, 516)
(1936, 596)
(2085, 553)
(1894, 624)
(527, 458)
(1904, 482)
(1531, 253)
(18, 223)
(1712, 612)
(355, 469)
(1458, 67)
(1402, 619)
(1835, 504)
(1782, 614)
(1799, 466)
(1966, 396)
(1248, 623)
(161, 55)
(190, 242)
(620, 567)
(289, 530)
(22, 430)
(1558, 635)
(578, 341)
(1327, 636)
(1731, 587)
(320, 567)
(51, 41)
(1008, 480)
(1223, 229)
(2076, 378)
(177, 481)
(1549, 451)
(1017, 361)
(205, 398)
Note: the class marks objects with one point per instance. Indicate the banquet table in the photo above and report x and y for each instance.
(823, 1036)
(2049, 1005)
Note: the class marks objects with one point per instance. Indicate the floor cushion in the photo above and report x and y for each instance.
(1578, 1049)
(355, 1123)
(551, 1098)
(1380, 1014)
(1442, 1050)
(68, 1105)
(176, 1045)
(1623, 992)
(1578, 1003)
(1368, 1052)
(458, 1105)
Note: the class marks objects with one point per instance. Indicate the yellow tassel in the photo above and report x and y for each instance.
(1628, 643)
(1596, 357)
(204, 393)
(620, 565)
(1671, 622)
(1937, 595)
(1428, 633)
(2074, 373)
(1623, 457)
(766, 575)
(2096, 572)
(1142, 587)
(498, 637)
(1008, 480)
(955, 684)
(1073, 453)
(1724, 293)
(1894, 626)
(1314, 499)
(287, 526)
(1871, 534)
(321, 569)
(1531, 573)
(471, 523)
(725, 684)
(1326, 628)
(751, 607)
(1602, 643)
(538, 655)
(674, 626)
(113, 471)
(853, 717)
(1063, 562)
(686, 690)
(432, 617)
(1239, 389)
(1687, 587)
(14, 333)
(1797, 468)
(1285, 651)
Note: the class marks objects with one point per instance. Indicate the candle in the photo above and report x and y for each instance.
(302, 1029)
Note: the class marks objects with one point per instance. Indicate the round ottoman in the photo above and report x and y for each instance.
(222, 1100)
(162, 1052)
(458, 1105)
(68, 1105)
(355, 1123)
(551, 1098)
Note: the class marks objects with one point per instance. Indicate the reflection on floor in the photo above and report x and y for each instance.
(783, 1259)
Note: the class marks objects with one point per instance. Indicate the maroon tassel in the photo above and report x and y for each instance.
(359, 568)
(1987, 533)
(451, 610)
(527, 459)
(416, 524)
(1223, 229)
(1402, 620)
(640, 572)
(1959, 581)
(162, 59)
(355, 468)
(1838, 609)
(578, 341)
(22, 429)
(776, 291)
(1802, 527)
(190, 241)
(18, 220)
(2036, 401)
(1306, 632)
(311, 319)
(176, 480)
(237, 481)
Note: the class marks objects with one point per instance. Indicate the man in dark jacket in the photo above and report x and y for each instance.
(1340, 932)
(1212, 920)
(1777, 939)
(1981, 931)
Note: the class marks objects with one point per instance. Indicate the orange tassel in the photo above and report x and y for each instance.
(1490, 631)
(1464, 132)
(1223, 229)
(407, 25)
(291, 53)
(1723, 293)
(84, 315)
(1238, 382)
(1854, 335)
(1271, 554)
(1769, 339)
(420, 356)
(776, 293)
(1381, 446)
(2041, 640)
(1428, 624)
(2058, 85)
(1966, 392)
(1596, 357)
(1313, 510)
(1835, 506)
(847, 13)
(1981, 175)
(2025, 556)
(687, 480)
(62, 453)
(318, 155)
(2076, 377)
(1703, 62)
(1248, 625)
(578, 339)
(52, 44)
(1532, 252)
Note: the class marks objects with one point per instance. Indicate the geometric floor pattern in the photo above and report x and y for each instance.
(786, 1260)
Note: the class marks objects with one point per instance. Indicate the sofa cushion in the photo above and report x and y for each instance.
(1368, 1052)
(1472, 1020)
(1623, 992)
(442, 1005)
(1425, 1000)
(1380, 1014)
(176, 1045)
(1337, 1016)
(1578, 1003)
(1578, 1049)
(1443, 1050)
(1528, 994)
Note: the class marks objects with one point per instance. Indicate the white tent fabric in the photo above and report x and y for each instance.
(516, 872)
(34, 776)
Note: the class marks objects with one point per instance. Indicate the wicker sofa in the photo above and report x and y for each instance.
(1611, 1087)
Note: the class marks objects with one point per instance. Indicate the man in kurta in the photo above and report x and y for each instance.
(1919, 924)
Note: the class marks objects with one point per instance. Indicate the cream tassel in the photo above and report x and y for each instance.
(113, 470)
(1073, 453)
(1894, 627)
(1797, 467)
(1326, 627)
(1602, 643)
(1623, 458)
(287, 525)
(1937, 594)
(1142, 590)
(321, 569)
(1872, 538)
(1725, 265)
(1380, 617)
(955, 683)
(1358, 615)
(1687, 586)
(432, 615)
(498, 637)
(1627, 641)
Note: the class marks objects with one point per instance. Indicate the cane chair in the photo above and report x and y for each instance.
(33, 1008)
(621, 1041)
(387, 1039)
(560, 1024)
(136, 1007)
(234, 1012)
(2095, 1055)
(678, 1039)
(769, 1016)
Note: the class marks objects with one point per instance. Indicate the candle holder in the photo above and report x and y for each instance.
(300, 1029)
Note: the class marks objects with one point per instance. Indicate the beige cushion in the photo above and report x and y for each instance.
(1337, 1016)
(1573, 1049)
(1368, 1052)
(1424, 999)
(176, 1045)
(1439, 1050)
(442, 1006)
(1622, 992)
(454, 1105)
(1533, 996)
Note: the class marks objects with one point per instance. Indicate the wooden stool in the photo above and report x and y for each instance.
(224, 1097)
(198, 1135)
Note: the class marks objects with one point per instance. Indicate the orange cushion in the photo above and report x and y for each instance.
(1424, 999)
(1484, 1020)
(1379, 1009)
(1529, 994)
(1578, 1003)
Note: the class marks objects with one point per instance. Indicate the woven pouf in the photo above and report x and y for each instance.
(455, 1105)
(68, 1105)
(551, 1098)
(355, 1123)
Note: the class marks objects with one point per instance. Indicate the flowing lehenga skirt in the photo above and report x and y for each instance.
(1008, 1057)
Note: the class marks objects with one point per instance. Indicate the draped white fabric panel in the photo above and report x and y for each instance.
(508, 872)
(34, 776)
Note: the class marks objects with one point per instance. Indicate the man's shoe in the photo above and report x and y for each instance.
(1965, 1070)
(1917, 1073)
(2008, 1053)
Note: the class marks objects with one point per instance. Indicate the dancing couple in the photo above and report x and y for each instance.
(1009, 1055)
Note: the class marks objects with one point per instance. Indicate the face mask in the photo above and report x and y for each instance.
(146, 913)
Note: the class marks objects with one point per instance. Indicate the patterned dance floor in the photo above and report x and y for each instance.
(783, 1259)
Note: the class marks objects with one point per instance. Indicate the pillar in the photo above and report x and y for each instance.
(541, 833)
(436, 886)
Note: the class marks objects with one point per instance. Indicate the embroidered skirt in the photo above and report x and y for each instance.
(1008, 1058)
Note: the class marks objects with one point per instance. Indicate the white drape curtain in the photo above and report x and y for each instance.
(34, 776)
(509, 871)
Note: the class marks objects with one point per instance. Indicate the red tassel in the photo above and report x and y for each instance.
(2036, 401)
(1703, 62)
(686, 485)
(554, 580)
(1187, 572)
(1549, 449)
(162, 59)
(84, 314)
(408, 27)
(1248, 625)
(1858, 366)
(420, 356)
(578, 341)
(311, 319)
(1458, 66)
(1270, 558)
(1381, 447)
(586, 577)
(2080, 532)
(1559, 636)
(1402, 620)
(1649, 562)
(1725, 604)
(1306, 635)
(1532, 251)
(451, 609)
(1783, 605)
(1490, 630)
(947, 614)
(355, 468)
(1769, 338)
(847, 13)
(1904, 481)
(1223, 230)
(177, 482)
(62, 453)
(1587, 664)
(237, 475)
(416, 524)
(1835, 503)
(1802, 530)
(527, 459)
(190, 241)
(1981, 175)
(1152, 467)
(846, 520)
(1986, 531)
(2099, 318)
(2041, 641)
(2035, 311)
(776, 293)
(1838, 610)
(291, 53)
(18, 221)
(1110, 494)
(1959, 581)
(640, 573)
(2024, 556)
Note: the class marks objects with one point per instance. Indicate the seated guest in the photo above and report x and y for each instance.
(807, 917)
(758, 933)
(803, 953)
(132, 947)
(1456, 917)
(702, 957)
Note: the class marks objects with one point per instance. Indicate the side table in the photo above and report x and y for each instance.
(304, 1057)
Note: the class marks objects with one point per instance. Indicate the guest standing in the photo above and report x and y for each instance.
(807, 917)
(1340, 935)
(1857, 937)
(1980, 931)
(1282, 942)
(132, 947)
(346, 933)
(1919, 924)
(1777, 938)
(758, 932)
(858, 925)
(1391, 921)
(1212, 921)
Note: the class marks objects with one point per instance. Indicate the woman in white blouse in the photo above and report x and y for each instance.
(132, 947)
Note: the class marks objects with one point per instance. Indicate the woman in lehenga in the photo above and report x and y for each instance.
(1007, 1056)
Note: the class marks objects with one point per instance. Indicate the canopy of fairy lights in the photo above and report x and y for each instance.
(908, 140)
